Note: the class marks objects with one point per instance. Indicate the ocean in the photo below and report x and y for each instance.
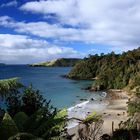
(63, 92)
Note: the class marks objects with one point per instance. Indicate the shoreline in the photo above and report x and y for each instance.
(115, 111)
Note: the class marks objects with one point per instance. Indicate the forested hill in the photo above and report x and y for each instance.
(61, 62)
(110, 70)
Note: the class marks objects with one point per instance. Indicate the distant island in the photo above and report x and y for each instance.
(61, 62)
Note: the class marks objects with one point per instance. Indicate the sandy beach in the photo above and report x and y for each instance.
(115, 111)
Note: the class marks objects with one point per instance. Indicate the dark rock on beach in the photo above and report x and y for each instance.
(83, 99)
(86, 88)
(92, 99)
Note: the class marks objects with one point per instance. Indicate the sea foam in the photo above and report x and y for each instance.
(83, 109)
(78, 105)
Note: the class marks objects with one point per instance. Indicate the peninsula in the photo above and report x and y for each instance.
(61, 62)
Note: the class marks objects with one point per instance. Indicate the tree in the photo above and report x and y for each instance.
(7, 127)
(28, 115)
(111, 70)
(32, 100)
(28, 101)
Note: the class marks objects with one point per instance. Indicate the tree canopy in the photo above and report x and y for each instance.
(111, 70)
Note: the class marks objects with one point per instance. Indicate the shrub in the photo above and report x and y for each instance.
(7, 127)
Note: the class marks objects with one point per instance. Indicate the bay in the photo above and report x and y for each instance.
(61, 91)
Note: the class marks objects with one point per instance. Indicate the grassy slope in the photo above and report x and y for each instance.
(62, 62)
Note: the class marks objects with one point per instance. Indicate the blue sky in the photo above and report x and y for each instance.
(33, 31)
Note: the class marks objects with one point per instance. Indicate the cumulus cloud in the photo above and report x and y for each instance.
(23, 49)
(113, 22)
(41, 29)
(9, 4)
(58, 32)
(20, 42)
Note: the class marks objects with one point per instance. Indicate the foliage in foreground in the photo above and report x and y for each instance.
(28, 115)
(90, 127)
(9, 87)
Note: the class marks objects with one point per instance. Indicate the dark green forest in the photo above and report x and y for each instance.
(110, 70)
(26, 115)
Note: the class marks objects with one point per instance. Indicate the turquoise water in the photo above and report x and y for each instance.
(62, 92)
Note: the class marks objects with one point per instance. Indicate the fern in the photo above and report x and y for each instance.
(9, 86)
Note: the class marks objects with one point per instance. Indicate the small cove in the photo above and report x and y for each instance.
(61, 91)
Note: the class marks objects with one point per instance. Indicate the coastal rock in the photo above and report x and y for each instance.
(83, 99)
(97, 88)
(86, 88)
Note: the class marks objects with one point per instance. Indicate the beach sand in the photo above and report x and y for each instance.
(115, 111)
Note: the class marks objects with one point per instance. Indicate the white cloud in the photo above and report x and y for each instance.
(113, 22)
(57, 32)
(23, 49)
(9, 4)
(20, 42)
(42, 29)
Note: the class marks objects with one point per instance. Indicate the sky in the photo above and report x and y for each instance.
(40, 30)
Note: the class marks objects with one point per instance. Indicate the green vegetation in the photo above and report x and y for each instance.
(62, 62)
(93, 117)
(28, 115)
(134, 103)
(9, 86)
(110, 70)
(8, 127)
(90, 127)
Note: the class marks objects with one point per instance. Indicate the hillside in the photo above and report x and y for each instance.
(62, 62)
(111, 70)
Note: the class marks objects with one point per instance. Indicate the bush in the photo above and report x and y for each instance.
(7, 127)
(23, 136)
(20, 118)
(27, 101)
(31, 116)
